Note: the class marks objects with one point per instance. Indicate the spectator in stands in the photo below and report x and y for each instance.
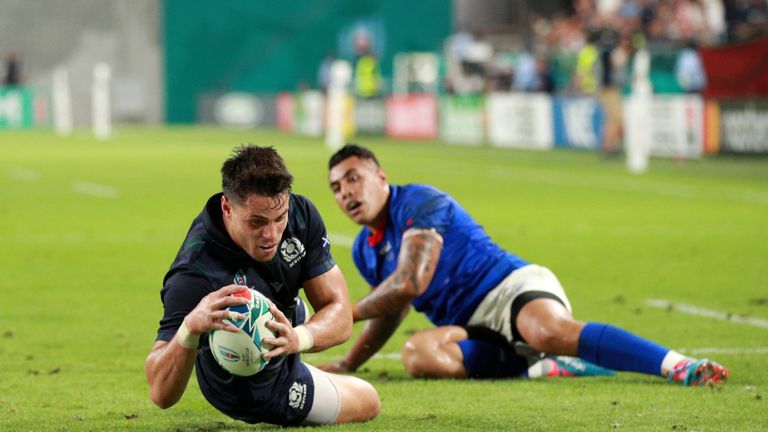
(324, 72)
(689, 69)
(746, 19)
(12, 69)
(525, 76)
(367, 71)
(615, 52)
(545, 82)
(586, 79)
(691, 20)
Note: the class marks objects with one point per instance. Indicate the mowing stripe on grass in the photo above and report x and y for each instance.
(95, 190)
(709, 313)
(22, 174)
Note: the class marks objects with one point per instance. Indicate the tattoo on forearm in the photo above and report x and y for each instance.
(415, 267)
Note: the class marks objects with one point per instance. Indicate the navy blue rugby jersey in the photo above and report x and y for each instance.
(209, 260)
(470, 265)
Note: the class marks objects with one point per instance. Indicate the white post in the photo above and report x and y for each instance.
(62, 102)
(341, 74)
(638, 118)
(102, 113)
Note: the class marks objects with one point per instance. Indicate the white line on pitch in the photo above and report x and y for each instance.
(23, 174)
(709, 313)
(342, 240)
(95, 189)
(714, 350)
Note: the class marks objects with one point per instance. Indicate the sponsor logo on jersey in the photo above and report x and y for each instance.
(386, 251)
(292, 251)
(387, 248)
(297, 395)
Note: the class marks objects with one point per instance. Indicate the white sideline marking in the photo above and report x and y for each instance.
(649, 187)
(709, 313)
(388, 356)
(22, 174)
(342, 240)
(95, 189)
(735, 351)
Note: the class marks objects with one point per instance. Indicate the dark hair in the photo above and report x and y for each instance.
(350, 150)
(254, 170)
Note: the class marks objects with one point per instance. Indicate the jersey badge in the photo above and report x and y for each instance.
(292, 251)
(240, 278)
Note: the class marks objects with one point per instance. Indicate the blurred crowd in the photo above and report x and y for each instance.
(595, 44)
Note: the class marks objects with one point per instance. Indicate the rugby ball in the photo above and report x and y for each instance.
(240, 353)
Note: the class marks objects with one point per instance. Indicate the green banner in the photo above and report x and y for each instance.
(16, 107)
(461, 119)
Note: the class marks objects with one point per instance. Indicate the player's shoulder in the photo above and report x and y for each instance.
(301, 202)
(417, 191)
(302, 211)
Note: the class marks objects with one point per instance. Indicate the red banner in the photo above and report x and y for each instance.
(737, 71)
(412, 116)
(285, 108)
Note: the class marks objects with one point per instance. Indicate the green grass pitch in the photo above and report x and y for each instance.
(88, 229)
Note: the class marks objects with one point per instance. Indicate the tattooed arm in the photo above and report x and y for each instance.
(416, 264)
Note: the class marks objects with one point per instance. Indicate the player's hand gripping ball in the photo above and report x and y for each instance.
(241, 353)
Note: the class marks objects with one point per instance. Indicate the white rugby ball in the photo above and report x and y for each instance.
(241, 353)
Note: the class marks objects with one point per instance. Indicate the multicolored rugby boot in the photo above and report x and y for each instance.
(564, 366)
(702, 372)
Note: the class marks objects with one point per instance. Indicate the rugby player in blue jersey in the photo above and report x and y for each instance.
(419, 247)
(258, 234)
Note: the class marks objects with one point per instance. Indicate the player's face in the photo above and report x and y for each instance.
(361, 190)
(257, 224)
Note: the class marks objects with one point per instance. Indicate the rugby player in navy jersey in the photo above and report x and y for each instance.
(260, 235)
(419, 247)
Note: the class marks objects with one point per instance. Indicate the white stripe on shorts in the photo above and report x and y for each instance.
(495, 311)
(327, 401)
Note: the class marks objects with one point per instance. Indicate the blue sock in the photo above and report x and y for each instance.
(483, 359)
(614, 348)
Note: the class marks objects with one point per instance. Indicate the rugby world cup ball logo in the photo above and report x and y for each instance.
(228, 355)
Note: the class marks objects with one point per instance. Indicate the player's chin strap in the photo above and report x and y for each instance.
(185, 337)
(306, 340)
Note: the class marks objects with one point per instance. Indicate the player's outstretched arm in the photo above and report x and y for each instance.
(416, 264)
(330, 325)
(376, 333)
(169, 364)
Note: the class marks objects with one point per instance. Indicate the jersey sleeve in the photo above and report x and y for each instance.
(181, 293)
(365, 268)
(319, 259)
(426, 208)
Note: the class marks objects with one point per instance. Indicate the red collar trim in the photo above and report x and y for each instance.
(376, 237)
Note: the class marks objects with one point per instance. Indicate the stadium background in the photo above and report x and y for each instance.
(176, 61)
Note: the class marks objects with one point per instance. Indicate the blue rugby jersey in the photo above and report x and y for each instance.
(470, 265)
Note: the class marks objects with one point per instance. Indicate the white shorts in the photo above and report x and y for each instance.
(327, 400)
(498, 310)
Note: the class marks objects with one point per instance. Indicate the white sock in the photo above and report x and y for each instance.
(670, 361)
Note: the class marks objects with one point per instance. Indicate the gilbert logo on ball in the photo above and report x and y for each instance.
(240, 353)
